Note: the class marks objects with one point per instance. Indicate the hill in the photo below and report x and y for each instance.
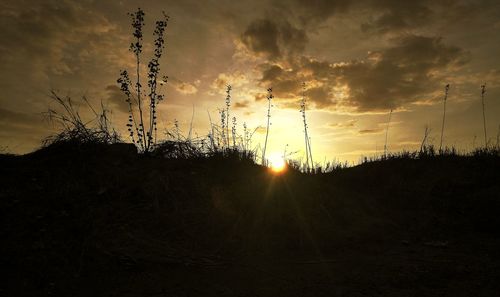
(101, 220)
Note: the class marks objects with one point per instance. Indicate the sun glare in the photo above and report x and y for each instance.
(276, 163)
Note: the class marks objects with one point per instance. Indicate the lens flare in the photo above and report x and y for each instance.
(276, 163)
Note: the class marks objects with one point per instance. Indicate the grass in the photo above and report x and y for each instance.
(97, 131)
(74, 128)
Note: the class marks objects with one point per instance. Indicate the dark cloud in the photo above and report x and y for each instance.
(292, 39)
(401, 74)
(271, 73)
(314, 11)
(285, 83)
(390, 16)
(261, 37)
(18, 118)
(38, 25)
(117, 98)
(370, 131)
(273, 39)
(52, 44)
(397, 15)
(287, 88)
(320, 69)
(56, 34)
(21, 131)
(406, 72)
(321, 96)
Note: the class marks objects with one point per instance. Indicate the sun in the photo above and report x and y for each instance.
(276, 163)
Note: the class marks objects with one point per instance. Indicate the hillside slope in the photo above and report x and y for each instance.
(104, 221)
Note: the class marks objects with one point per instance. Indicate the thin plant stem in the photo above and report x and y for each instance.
(483, 90)
(387, 133)
(446, 89)
(269, 98)
(306, 134)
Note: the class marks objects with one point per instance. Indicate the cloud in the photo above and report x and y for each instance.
(320, 69)
(54, 45)
(21, 131)
(286, 84)
(244, 104)
(182, 87)
(370, 131)
(346, 124)
(386, 16)
(18, 118)
(292, 39)
(116, 97)
(260, 130)
(398, 15)
(273, 39)
(260, 96)
(321, 96)
(51, 32)
(408, 71)
(261, 37)
(235, 79)
(391, 16)
(271, 72)
(315, 11)
(401, 74)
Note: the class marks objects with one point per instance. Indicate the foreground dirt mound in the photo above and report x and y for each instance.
(103, 221)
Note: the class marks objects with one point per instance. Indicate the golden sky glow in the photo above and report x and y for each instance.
(359, 59)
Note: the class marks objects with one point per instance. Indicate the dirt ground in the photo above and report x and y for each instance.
(90, 225)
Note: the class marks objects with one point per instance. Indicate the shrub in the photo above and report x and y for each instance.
(145, 127)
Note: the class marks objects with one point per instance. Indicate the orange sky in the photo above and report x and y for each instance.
(359, 59)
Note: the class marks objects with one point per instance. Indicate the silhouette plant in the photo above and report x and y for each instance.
(427, 131)
(446, 89)
(306, 134)
(483, 90)
(77, 129)
(387, 132)
(245, 136)
(228, 104)
(223, 124)
(233, 132)
(269, 98)
(145, 127)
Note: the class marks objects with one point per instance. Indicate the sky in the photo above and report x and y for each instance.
(358, 60)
